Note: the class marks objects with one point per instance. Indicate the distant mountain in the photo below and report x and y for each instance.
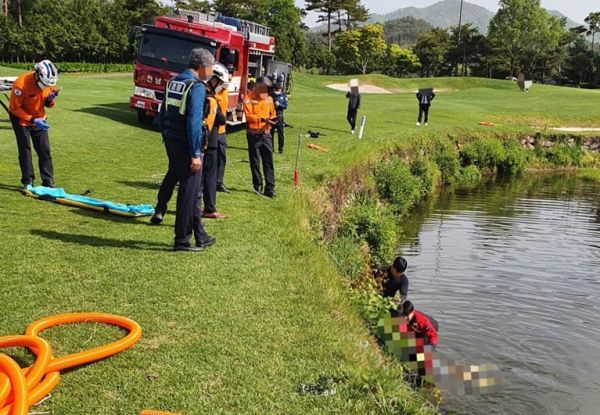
(443, 14)
(570, 23)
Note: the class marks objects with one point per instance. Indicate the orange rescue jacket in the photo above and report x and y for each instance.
(256, 109)
(223, 100)
(27, 100)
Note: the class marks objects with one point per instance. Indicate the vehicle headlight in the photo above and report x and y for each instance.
(144, 92)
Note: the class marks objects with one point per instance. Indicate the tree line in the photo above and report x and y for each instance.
(522, 37)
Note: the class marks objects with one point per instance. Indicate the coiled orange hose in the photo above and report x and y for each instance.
(21, 388)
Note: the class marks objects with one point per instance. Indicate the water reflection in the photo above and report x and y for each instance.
(509, 270)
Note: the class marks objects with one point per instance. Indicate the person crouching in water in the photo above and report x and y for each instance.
(260, 118)
(353, 107)
(393, 280)
(215, 120)
(424, 98)
(420, 323)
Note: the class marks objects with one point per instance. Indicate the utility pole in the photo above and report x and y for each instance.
(459, 31)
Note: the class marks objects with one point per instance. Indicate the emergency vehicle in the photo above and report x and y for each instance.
(244, 47)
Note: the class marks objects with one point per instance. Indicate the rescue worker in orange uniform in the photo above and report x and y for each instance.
(260, 119)
(215, 120)
(32, 92)
(223, 100)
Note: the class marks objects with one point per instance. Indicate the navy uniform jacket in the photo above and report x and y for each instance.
(182, 113)
(281, 103)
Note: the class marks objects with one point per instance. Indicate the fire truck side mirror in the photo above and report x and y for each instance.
(132, 36)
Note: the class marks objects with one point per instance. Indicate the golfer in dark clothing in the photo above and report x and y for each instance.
(181, 124)
(393, 279)
(425, 98)
(353, 107)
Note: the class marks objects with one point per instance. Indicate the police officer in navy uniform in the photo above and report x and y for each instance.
(281, 103)
(181, 124)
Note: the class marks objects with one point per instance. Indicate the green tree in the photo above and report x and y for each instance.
(400, 62)
(327, 10)
(524, 32)
(431, 49)
(360, 49)
(405, 30)
(285, 21)
(243, 9)
(464, 47)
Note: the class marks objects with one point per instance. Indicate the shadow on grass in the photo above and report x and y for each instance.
(138, 184)
(9, 187)
(109, 217)
(314, 127)
(118, 112)
(99, 242)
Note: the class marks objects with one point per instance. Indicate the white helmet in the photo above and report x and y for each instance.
(221, 73)
(47, 73)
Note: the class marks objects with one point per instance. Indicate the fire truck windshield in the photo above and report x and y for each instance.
(167, 52)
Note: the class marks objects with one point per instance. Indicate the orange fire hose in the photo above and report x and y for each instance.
(21, 388)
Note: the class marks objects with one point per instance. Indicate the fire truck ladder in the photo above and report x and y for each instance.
(247, 27)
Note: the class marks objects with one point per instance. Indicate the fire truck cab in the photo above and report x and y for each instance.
(245, 48)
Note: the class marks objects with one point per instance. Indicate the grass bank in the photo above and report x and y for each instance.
(242, 327)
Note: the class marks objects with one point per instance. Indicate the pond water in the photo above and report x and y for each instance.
(511, 271)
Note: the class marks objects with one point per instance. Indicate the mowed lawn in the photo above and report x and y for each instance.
(237, 328)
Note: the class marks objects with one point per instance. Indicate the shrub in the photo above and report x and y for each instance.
(447, 160)
(484, 153)
(467, 176)
(72, 67)
(397, 185)
(348, 256)
(564, 155)
(365, 222)
(515, 159)
(428, 173)
(371, 304)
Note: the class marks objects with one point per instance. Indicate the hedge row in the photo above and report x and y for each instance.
(75, 67)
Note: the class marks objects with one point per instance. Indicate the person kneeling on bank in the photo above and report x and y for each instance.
(393, 280)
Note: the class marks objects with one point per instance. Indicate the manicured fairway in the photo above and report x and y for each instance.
(238, 328)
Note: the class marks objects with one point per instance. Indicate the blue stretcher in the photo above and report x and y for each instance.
(60, 196)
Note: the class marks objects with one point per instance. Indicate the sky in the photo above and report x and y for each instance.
(576, 10)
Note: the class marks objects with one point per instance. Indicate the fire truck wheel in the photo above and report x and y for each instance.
(144, 118)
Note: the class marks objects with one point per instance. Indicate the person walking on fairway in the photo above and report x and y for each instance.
(32, 92)
(181, 123)
(424, 97)
(260, 118)
(281, 103)
(353, 107)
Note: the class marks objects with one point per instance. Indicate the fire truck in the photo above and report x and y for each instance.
(244, 47)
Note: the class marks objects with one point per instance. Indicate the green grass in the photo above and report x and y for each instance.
(589, 174)
(237, 328)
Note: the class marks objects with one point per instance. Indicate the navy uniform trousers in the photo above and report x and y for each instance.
(187, 220)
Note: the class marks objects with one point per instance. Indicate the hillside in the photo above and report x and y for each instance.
(445, 14)
(442, 14)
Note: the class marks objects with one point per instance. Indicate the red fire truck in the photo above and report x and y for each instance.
(245, 48)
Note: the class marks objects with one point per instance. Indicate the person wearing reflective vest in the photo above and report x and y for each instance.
(181, 122)
(260, 119)
(31, 93)
(214, 121)
(223, 100)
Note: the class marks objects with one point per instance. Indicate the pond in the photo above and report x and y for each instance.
(511, 272)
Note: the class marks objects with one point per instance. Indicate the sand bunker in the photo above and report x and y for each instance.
(576, 129)
(364, 89)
